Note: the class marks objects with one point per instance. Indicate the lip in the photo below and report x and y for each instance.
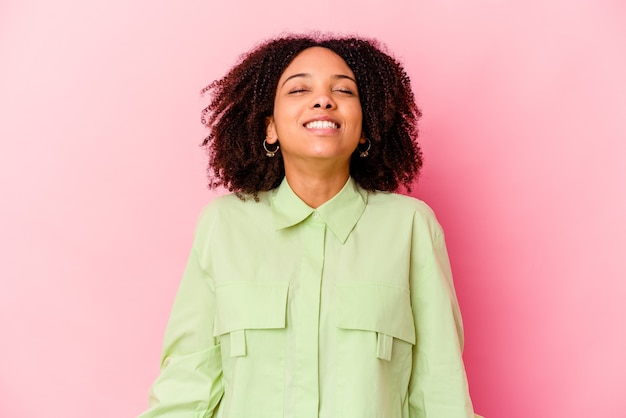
(322, 118)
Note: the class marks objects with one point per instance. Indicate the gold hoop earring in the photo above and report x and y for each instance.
(364, 152)
(268, 152)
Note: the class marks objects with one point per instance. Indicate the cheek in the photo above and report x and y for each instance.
(358, 120)
(358, 114)
(285, 115)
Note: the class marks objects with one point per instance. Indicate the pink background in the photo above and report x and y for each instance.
(102, 179)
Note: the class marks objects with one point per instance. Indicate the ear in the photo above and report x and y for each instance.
(363, 140)
(270, 130)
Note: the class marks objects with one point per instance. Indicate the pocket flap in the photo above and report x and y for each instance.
(250, 305)
(376, 307)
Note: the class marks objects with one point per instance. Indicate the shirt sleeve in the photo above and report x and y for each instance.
(190, 382)
(438, 385)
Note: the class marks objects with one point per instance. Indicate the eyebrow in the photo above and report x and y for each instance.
(307, 75)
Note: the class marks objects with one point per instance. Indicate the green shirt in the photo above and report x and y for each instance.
(344, 311)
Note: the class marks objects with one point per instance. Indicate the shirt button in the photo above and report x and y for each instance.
(316, 215)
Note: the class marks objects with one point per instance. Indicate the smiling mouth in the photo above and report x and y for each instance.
(321, 124)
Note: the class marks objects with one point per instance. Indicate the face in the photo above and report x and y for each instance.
(317, 113)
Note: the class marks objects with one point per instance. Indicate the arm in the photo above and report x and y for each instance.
(438, 385)
(190, 382)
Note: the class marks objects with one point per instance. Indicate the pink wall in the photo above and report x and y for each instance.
(524, 132)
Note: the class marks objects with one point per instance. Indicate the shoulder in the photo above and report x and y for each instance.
(232, 202)
(229, 217)
(405, 210)
(399, 204)
(231, 209)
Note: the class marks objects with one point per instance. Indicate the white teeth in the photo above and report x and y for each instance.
(321, 124)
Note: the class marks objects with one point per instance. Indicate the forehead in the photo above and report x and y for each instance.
(317, 60)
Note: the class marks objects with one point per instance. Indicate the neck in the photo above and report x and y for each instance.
(316, 187)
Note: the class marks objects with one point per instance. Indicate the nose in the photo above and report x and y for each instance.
(323, 102)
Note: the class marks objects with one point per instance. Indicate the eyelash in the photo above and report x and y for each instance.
(345, 91)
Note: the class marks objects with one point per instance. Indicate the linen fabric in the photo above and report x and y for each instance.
(344, 311)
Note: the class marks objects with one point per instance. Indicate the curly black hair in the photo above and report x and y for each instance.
(242, 101)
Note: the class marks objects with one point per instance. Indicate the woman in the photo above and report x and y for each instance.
(313, 291)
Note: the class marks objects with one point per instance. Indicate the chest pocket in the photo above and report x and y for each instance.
(379, 308)
(249, 305)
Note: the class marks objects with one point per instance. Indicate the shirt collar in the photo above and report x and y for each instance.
(340, 213)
